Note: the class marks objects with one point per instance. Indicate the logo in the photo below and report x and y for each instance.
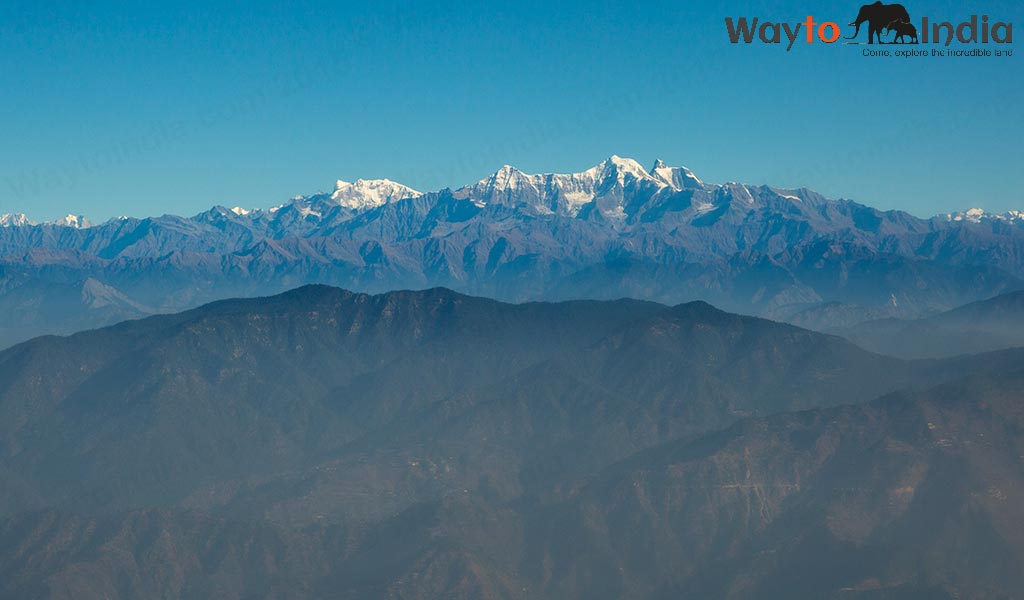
(883, 23)
(882, 17)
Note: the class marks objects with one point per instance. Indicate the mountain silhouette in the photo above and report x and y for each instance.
(421, 444)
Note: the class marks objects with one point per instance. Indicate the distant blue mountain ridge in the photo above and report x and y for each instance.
(615, 230)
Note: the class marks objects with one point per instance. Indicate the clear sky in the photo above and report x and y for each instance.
(127, 108)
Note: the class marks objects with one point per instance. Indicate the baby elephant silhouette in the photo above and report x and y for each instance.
(903, 29)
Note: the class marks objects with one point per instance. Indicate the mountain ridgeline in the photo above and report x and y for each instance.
(993, 324)
(427, 444)
(615, 230)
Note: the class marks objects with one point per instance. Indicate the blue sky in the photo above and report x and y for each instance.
(119, 108)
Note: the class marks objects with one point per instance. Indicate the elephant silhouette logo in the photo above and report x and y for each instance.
(884, 18)
(903, 30)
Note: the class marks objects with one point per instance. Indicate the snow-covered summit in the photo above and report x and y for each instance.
(619, 168)
(568, 193)
(678, 178)
(977, 215)
(14, 220)
(510, 178)
(370, 193)
(73, 221)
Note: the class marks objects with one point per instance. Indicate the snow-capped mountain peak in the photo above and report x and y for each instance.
(73, 221)
(510, 178)
(977, 215)
(14, 220)
(616, 166)
(677, 178)
(568, 193)
(370, 193)
(506, 186)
